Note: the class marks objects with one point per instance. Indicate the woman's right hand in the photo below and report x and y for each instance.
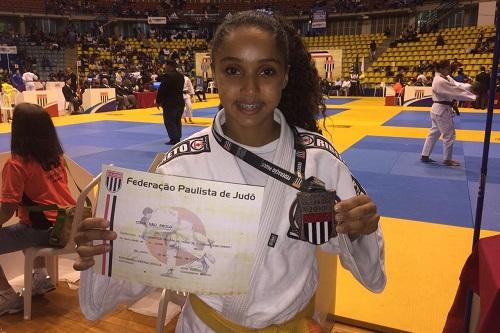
(89, 230)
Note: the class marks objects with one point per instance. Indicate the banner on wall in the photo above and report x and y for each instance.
(6, 49)
(157, 20)
(328, 62)
(319, 18)
(202, 65)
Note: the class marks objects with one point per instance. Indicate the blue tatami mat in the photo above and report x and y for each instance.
(5, 142)
(433, 200)
(404, 187)
(331, 112)
(125, 158)
(339, 101)
(468, 121)
(203, 112)
(125, 144)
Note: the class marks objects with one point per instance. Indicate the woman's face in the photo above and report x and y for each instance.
(251, 73)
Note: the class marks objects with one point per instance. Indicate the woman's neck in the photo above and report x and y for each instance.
(251, 138)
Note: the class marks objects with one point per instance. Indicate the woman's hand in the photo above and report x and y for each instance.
(356, 216)
(89, 230)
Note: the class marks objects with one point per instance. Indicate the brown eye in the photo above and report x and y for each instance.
(232, 71)
(269, 72)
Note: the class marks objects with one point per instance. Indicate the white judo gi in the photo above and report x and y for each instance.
(445, 89)
(188, 93)
(284, 277)
(29, 81)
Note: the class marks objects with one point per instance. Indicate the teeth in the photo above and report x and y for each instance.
(249, 106)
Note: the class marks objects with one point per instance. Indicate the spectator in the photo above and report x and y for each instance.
(421, 79)
(387, 31)
(71, 97)
(125, 95)
(373, 49)
(200, 88)
(398, 90)
(439, 40)
(33, 175)
(346, 86)
(17, 80)
(483, 80)
(400, 77)
(455, 64)
(68, 74)
(460, 77)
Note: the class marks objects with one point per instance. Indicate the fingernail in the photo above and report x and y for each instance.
(337, 208)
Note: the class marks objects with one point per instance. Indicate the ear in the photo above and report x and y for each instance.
(285, 80)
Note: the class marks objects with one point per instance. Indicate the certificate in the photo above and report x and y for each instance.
(179, 233)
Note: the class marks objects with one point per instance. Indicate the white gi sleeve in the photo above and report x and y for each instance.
(363, 257)
(451, 89)
(101, 294)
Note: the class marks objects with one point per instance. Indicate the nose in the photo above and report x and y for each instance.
(250, 84)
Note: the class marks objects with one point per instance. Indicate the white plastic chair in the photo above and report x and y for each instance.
(380, 86)
(5, 108)
(31, 253)
(167, 295)
(211, 87)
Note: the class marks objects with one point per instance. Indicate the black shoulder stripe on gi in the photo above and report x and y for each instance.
(310, 140)
(190, 146)
(357, 186)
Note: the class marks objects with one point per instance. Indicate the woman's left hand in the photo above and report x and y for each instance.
(356, 216)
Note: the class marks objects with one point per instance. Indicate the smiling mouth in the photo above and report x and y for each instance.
(249, 107)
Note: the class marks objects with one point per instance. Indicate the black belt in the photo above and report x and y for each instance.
(444, 103)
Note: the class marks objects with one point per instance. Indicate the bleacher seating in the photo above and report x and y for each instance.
(55, 58)
(351, 45)
(135, 44)
(458, 43)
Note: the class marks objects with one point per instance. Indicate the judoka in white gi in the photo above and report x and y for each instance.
(445, 91)
(257, 77)
(188, 93)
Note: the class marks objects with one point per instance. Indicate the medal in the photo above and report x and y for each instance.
(311, 216)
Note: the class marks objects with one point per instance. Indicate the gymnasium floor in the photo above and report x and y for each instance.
(427, 209)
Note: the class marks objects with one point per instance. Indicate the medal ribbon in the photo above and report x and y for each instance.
(296, 180)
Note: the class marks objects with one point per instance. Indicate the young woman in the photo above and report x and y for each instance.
(270, 93)
(33, 175)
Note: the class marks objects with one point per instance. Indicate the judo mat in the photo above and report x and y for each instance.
(427, 209)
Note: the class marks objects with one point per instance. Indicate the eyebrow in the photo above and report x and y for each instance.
(235, 59)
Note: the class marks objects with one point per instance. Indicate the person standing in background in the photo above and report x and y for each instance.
(171, 98)
(199, 88)
(188, 93)
(29, 79)
(69, 74)
(445, 91)
(483, 79)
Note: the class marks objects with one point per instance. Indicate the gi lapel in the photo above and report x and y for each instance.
(234, 308)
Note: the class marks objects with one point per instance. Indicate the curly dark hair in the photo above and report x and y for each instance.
(34, 137)
(302, 99)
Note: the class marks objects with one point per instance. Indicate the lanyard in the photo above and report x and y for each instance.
(296, 180)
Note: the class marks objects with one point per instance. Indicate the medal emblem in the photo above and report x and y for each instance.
(311, 217)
